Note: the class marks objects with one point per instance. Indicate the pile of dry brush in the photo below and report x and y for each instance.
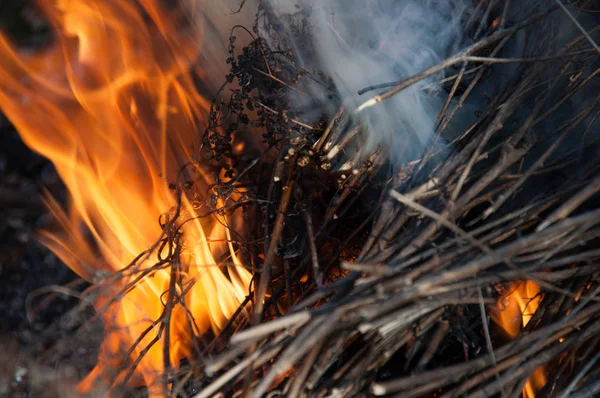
(374, 280)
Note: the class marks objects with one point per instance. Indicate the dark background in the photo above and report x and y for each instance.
(25, 265)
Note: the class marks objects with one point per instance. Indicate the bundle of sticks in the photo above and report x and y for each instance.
(514, 201)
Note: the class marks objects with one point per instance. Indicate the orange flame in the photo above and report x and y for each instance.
(516, 308)
(112, 104)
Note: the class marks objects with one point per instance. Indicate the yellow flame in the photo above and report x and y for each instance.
(112, 104)
(515, 310)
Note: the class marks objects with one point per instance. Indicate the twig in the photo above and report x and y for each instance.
(265, 276)
(579, 376)
(400, 86)
(271, 110)
(488, 338)
(570, 206)
(576, 22)
(300, 377)
(314, 256)
(568, 129)
(336, 119)
(289, 321)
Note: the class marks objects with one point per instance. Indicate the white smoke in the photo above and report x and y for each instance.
(359, 43)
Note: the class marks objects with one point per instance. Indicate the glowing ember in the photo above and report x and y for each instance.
(516, 308)
(112, 104)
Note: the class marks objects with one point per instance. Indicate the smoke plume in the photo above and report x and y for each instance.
(359, 43)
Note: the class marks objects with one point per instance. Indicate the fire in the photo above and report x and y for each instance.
(515, 310)
(496, 22)
(112, 103)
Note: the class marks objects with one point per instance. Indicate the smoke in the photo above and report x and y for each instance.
(359, 43)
